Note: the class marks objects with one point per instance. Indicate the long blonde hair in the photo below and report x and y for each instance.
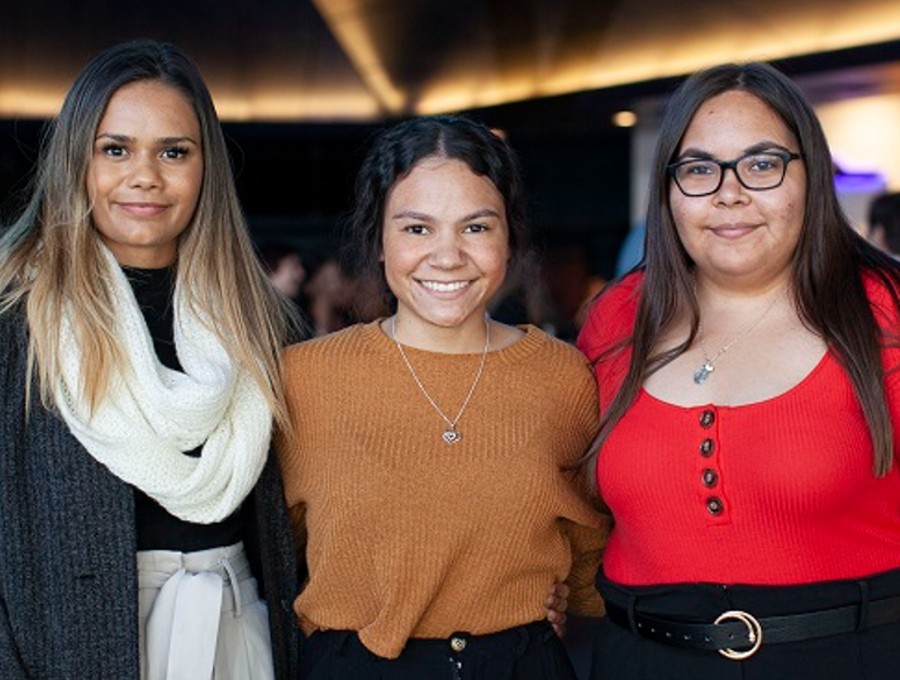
(50, 258)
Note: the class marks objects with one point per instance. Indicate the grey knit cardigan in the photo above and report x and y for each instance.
(68, 584)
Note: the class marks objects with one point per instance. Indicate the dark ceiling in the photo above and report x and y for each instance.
(355, 60)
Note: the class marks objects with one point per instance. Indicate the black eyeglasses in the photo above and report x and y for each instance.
(755, 171)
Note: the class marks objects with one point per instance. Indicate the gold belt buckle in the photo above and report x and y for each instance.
(755, 634)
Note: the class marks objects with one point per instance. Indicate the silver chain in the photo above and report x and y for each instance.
(702, 373)
(451, 434)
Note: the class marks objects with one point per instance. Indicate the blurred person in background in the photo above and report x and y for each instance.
(884, 223)
(329, 292)
(285, 268)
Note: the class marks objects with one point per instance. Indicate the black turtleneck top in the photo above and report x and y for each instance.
(157, 529)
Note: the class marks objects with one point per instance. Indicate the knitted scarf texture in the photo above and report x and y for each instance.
(152, 415)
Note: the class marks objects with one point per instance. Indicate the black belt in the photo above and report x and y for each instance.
(738, 634)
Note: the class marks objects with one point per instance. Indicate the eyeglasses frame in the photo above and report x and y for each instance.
(786, 156)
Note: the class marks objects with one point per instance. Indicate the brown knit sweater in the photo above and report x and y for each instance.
(407, 536)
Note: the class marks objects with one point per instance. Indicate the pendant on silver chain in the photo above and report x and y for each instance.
(451, 435)
(702, 374)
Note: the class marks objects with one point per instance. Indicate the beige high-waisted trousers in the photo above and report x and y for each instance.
(201, 617)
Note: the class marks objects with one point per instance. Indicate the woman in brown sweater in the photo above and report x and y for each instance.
(426, 469)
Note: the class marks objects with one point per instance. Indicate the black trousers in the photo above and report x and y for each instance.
(529, 652)
(868, 654)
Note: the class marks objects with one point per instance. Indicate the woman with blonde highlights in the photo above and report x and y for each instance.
(140, 505)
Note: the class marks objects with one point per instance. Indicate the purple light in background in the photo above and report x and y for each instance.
(859, 182)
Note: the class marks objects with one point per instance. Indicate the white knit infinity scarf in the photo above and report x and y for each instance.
(152, 416)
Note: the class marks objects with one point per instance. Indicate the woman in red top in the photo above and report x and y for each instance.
(749, 397)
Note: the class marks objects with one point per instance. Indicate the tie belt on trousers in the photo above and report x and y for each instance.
(194, 590)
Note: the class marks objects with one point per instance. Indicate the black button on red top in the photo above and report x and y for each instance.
(707, 446)
(707, 418)
(714, 505)
(710, 477)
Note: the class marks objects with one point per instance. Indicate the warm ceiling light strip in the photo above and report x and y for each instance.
(281, 107)
(232, 106)
(654, 59)
(351, 32)
(21, 102)
(625, 53)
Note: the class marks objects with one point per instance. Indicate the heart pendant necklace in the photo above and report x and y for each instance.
(451, 434)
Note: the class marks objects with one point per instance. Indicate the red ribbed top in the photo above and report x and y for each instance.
(776, 492)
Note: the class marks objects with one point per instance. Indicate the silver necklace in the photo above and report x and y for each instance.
(701, 375)
(451, 434)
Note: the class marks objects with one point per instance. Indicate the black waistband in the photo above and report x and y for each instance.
(737, 633)
(517, 640)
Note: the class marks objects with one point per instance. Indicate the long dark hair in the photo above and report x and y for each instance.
(396, 150)
(827, 264)
(51, 256)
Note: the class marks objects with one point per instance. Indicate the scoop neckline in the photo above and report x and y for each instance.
(820, 365)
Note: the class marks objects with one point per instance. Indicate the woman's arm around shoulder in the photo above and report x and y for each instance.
(588, 543)
(587, 532)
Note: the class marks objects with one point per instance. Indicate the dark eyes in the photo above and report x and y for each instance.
(700, 168)
(176, 152)
(425, 229)
(765, 164)
(171, 153)
(114, 150)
